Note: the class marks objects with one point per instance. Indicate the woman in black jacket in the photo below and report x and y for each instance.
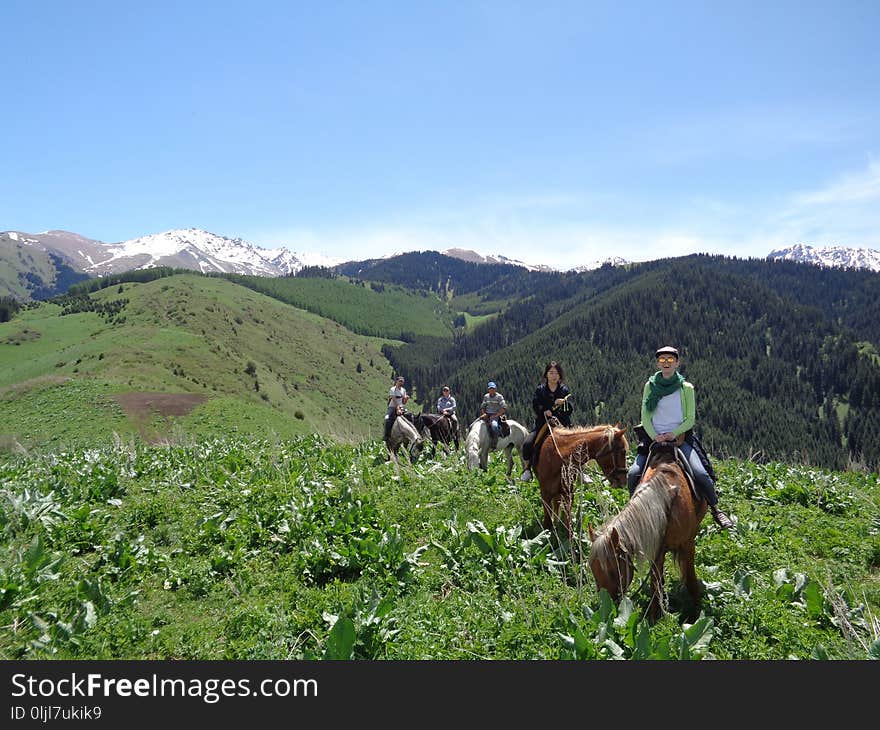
(552, 399)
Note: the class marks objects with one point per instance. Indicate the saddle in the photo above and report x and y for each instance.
(503, 427)
(657, 450)
(409, 416)
(540, 435)
(645, 443)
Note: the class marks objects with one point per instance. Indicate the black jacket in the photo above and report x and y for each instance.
(544, 401)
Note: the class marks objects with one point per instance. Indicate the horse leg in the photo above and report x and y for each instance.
(547, 504)
(446, 449)
(508, 452)
(658, 595)
(688, 572)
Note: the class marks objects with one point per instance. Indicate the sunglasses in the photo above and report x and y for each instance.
(666, 358)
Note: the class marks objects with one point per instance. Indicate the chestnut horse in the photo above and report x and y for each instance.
(563, 454)
(662, 516)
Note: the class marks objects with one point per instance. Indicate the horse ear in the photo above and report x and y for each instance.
(615, 538)
(620, 431)
(592, 534)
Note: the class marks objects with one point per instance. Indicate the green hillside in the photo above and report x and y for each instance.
(276, 550)
(381, 310)
(776, 376)
(262, 366)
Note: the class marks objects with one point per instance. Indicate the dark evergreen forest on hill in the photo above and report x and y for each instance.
(783, 355)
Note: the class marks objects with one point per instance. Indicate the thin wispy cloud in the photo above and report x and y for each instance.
(844, 212)
(863, 186)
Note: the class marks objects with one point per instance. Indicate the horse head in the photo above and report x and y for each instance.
(415, 448)
(611, 455)
(403, 431)
(610, 562)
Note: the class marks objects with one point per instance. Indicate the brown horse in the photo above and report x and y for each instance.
(440, 428)
(562, 455)
(662, 516)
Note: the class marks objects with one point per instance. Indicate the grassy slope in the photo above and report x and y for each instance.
(15, 259)
(183, 335)
(355, 305)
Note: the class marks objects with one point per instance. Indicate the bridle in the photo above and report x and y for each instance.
(616, 449)
(623, 568)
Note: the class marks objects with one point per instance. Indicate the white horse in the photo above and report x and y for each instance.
(478, 444)
(403, 432)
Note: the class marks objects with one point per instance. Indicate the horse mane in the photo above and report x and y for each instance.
(411, 431)
(563, 431)
(569, 439)
(641, 524)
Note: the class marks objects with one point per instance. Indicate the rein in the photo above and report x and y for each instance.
(552, 436)
(609, 448)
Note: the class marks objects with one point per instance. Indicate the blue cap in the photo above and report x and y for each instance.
(491, 384)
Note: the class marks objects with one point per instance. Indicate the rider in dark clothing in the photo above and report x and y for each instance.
(552, 399)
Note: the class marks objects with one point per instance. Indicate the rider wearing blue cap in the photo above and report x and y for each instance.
(492, 408)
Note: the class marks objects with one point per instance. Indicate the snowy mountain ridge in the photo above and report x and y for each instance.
(200, 250)
(832, 256)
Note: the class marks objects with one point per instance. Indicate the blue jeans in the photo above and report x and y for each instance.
(703, 481)
(494, 426)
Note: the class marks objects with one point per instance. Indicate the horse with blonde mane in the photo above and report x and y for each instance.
(663, 515)
(562, 456)
(478, 444)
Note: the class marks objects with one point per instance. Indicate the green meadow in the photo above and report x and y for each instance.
(263, 366)
(303, 548)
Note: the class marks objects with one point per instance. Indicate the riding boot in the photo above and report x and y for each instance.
(724, 522)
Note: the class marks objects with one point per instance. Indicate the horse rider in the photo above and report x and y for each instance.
(552, 399)
(397, 399)
(668, 414)
(446, 407)
(492, 409)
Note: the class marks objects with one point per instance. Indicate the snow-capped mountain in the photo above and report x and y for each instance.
(190, 248)
(78, 251)
(193, 248)
(835, 256)
(476, 258)
(611, 260)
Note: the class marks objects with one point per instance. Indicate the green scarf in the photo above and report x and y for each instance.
(660, 387)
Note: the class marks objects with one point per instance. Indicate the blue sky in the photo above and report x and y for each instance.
(551, 132)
